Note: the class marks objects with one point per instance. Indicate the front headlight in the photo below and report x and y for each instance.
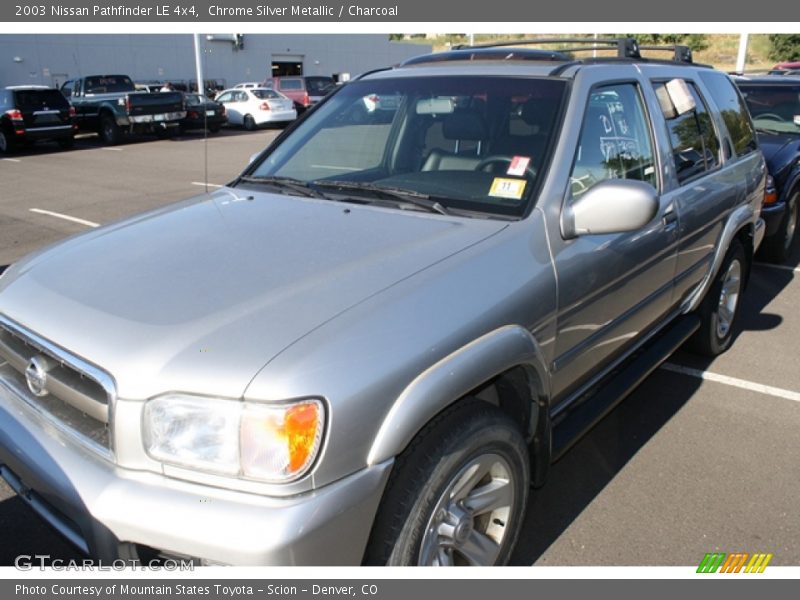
(270, 442)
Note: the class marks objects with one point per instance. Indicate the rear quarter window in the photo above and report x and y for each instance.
(734, 112)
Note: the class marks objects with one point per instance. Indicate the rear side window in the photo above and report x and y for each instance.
(695, 147)
(291, 84)
(615, 140)
(38, 99)
(734, 112)
(264, 94)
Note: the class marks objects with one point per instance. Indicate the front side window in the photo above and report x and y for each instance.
(471, 143)
(615, 141)
(695, 146)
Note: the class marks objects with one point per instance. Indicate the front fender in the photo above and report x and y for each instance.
(450, 379)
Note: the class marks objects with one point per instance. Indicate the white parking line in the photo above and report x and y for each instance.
(214, 185)
(112, 149)
(733, 381)
(11, 159)
(782, 267)
(65, 217)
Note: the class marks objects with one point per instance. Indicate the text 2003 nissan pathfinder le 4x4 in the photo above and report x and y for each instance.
(368, 347)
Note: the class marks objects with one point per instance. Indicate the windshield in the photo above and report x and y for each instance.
(470, 143)
(774, 107)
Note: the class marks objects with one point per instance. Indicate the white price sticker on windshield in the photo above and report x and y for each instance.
(797, 119)
(507, 188)
(517, 166)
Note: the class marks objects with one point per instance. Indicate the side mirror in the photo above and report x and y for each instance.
(611, 206)
(253, 157)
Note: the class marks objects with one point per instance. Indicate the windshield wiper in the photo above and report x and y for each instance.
(766, 130)
(387, 193)
(285, 183)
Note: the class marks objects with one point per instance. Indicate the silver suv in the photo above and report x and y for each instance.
(371, 344)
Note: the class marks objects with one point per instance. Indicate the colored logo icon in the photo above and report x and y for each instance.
(738, 562)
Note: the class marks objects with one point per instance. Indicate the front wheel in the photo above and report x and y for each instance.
(720, 308)
(457, 494)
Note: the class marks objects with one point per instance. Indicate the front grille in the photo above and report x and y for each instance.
(74, 395)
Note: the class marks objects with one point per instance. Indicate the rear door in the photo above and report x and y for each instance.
(232, 106)
(703, 192)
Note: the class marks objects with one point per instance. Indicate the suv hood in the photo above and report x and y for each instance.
(199, 296)
(778, 149)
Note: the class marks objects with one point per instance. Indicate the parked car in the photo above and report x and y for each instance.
(35, 113)
(149, 86)
(375, 340)
(111, 106)
(787, 65)
(251, 107)
(249, 85)
(305, 90)
(774, 104)
(202, 113)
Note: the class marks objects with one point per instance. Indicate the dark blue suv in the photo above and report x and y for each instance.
(774, 104)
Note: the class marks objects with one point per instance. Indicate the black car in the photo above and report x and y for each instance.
(202, 113)
(774, 104)
(35, 113)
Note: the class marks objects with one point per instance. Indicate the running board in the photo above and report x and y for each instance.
(590, 409)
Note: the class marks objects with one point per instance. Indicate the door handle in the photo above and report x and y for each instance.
(670, 220)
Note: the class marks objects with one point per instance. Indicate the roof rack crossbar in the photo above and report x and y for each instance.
(626, 47)
(681, 54)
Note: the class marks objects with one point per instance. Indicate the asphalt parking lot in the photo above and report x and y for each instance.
(703, 457)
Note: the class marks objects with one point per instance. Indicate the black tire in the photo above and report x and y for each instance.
(720, 308)
(777, 248)
(109, 130)
(249, 123)
(419, 522)
(6, 143)
(66, 143)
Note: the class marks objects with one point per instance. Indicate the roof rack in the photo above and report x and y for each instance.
(626, 47)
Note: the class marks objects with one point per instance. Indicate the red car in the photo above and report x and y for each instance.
(787, 65)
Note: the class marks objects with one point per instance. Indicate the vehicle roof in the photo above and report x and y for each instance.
(29, 87)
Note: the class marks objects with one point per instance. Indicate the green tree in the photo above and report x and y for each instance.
(784, 47)
(695, 41)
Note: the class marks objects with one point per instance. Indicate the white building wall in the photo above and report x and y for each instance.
(46, 59)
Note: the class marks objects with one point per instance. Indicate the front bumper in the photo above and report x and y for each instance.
(773, 215)
(103, 509)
